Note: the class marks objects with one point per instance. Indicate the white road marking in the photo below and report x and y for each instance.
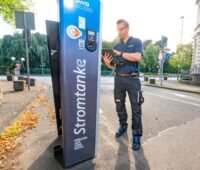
(184, 96)
(181, 101)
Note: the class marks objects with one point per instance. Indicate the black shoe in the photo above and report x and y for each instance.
(136, 142)
(121, 130)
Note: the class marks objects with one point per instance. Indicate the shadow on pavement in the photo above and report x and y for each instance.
(123, 159)
(10, 92)
(46, 161)
(141, 162)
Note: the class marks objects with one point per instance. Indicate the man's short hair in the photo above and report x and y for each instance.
(123, 21)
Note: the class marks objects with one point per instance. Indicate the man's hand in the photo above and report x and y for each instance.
(107, 58)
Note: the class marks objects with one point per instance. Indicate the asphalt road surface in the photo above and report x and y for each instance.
(170, 124)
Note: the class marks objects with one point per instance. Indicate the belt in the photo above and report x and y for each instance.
(127, 75)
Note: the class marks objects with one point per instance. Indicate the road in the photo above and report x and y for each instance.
(171, 121)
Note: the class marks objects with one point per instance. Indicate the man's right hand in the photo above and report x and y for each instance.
(107, 58)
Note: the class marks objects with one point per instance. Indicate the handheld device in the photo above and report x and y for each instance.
(111, 52)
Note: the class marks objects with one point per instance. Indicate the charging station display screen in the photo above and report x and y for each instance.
(80, 70)
(91, 44)
(91, 35)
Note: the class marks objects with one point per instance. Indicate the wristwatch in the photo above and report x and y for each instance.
(121, 54)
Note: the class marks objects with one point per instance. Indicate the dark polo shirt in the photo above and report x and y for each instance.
(133, 45)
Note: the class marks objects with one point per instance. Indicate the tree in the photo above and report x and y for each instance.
(181, 60)
(106, 44)
(13, 46)
(7, 8)
(146, 43)
(39, 51)
(150, 58)
(6, 46)
(184, 54)
(172, 66)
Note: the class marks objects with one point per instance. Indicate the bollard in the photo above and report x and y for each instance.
(19, 85)
(32, 82)
(146, 78)
(10, 77)
(152, 81)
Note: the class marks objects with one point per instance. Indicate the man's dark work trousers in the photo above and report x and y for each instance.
(132, 86)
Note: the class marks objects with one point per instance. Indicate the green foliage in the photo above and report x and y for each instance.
(110, 44)
(149, 60)
(7, 8)
(39, 51)
(107, 44)
(184, 56)
(181, 60)
(13, 46)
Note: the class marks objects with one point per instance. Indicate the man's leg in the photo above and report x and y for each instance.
(119, 96)
(134, 96)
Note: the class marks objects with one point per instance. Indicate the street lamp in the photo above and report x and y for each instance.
(22, 59)
(182, 19)
(182, 22)
(13, 59)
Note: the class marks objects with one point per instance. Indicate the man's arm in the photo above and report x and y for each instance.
(133, 57)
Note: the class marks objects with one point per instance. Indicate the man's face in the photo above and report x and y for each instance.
(122, 31)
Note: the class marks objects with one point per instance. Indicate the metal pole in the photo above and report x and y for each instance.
(182, 29)
(182, 18)
(42, 65)
(27, 55)
(161, 71)
(161, 65)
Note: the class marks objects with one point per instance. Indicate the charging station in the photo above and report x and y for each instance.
(75, 56)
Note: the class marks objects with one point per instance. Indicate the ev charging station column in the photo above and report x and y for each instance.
(80, 43)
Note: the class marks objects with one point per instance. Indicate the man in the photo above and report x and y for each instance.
(127, 53)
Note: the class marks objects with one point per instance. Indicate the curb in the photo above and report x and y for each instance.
(170, 88)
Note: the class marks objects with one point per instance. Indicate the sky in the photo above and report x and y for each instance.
(149, 19)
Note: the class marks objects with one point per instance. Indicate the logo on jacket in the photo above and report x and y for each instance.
(73, 32)
(131, 46)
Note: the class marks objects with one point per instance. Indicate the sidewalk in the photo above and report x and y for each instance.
(174, 85)
(14, 103)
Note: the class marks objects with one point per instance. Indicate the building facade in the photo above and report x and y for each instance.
(195, 68)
